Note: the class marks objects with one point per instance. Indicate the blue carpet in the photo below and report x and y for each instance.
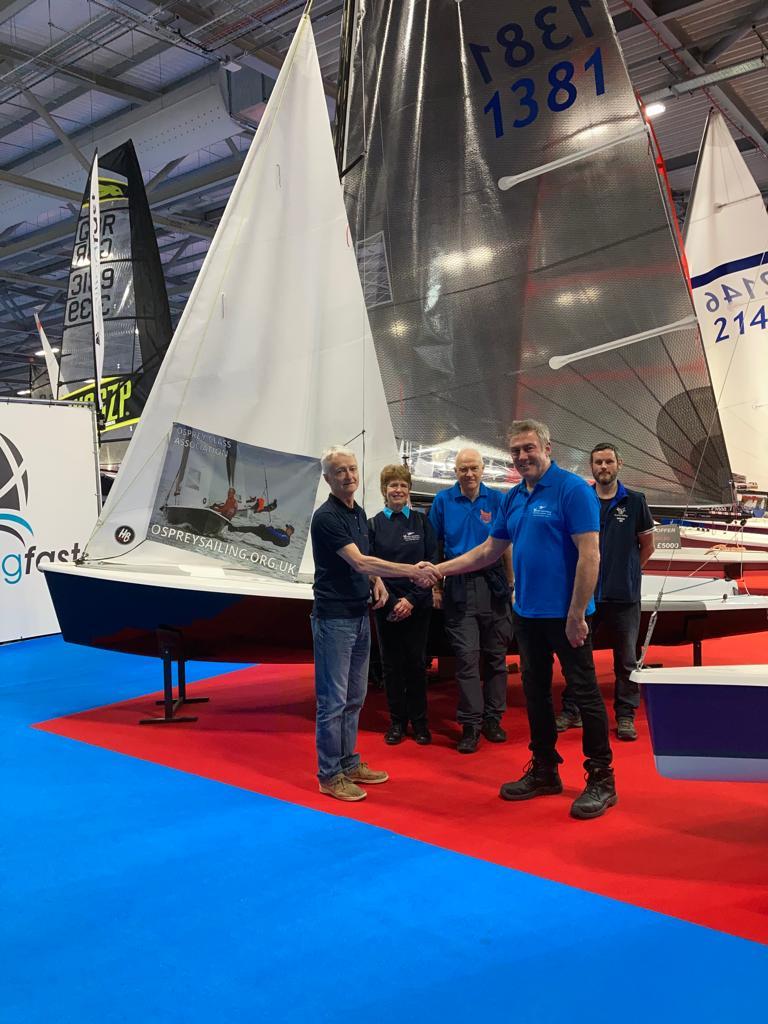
(135, 893)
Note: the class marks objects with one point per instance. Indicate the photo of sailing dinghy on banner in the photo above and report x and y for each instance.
(234, 502)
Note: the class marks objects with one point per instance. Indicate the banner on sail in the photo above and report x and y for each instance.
(237, 503)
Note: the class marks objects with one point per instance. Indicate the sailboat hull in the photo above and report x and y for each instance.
(98, 610)
(707, 723)
(269, 622)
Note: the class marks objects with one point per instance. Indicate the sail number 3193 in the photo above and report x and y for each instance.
(518, 50)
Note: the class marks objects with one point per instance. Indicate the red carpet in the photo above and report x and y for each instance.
(697, 851)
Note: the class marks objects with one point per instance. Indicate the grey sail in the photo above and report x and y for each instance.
(509, 221)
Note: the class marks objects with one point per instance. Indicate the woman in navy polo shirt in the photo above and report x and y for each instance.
(401, 534)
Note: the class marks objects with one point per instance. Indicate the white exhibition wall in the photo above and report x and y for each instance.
(49, 503)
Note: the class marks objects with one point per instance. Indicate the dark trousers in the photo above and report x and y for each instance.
(617, 624)
(479, 634)
(538, 640)
(403, 647)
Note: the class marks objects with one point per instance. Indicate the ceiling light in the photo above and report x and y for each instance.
(26, 391)
(41, 351)
(654, 109)
(231, 65)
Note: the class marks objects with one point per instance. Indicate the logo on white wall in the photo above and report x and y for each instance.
(14, 491)
(14, 498)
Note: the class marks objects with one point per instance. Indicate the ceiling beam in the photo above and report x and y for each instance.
(661, 9)
(133, 93)
(55, 127)
(689, 85)
(758, 13)
(741, 120)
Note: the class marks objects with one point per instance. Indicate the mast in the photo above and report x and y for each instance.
(348, 23)
(97, 313)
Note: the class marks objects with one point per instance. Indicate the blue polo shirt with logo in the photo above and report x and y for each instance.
(539, 523)
(462, 524)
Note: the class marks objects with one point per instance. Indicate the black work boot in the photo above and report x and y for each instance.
(599, 794)
(538, 780)
(470, 738)
(493, 732)
(395, 734)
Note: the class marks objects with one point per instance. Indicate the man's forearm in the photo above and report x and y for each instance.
(372, 566)
(584, 584)
(478, 558)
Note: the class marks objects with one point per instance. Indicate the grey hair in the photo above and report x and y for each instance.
(530, 427)
(330, 454)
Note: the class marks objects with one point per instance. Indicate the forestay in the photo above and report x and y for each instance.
(274, 347)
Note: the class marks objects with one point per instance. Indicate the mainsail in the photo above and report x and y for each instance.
(274, 347)
(514, 243)
(726, 241)
(134, 302)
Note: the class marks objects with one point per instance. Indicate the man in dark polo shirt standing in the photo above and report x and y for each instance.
(345, 577)
(552, 520)
(626, 544)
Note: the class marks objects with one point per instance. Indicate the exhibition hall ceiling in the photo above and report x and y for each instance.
(188, 81)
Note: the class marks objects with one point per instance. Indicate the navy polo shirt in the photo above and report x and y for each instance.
(462, 524)
(622, 519)
(539, 523)
(404, 537)
(340, 591)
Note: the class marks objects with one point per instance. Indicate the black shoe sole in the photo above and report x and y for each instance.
(541, 791)
(392, 741)
(468, 750)
(626, 739)
(579, 816)
(423, 741)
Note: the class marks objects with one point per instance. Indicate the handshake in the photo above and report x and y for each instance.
(426, 575)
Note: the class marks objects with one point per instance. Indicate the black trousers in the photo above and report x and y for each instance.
(403, 647)
(538, 640)
(617, 624)
(479, 634)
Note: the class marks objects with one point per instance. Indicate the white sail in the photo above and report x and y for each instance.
(727, 248)
(274, 346)
(51, 362)
(94, 210)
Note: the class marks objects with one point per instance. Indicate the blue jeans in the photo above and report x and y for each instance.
(342, 648)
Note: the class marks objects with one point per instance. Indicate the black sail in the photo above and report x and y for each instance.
(137, 319)
(508, 211)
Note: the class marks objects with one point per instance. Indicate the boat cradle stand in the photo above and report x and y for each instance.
(171, 646)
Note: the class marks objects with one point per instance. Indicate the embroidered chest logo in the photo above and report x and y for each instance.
(620, 514)
(485, 516)
(410, 536)
(541, 511)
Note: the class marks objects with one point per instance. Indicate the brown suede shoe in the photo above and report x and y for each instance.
(341, 788)
(365, 776)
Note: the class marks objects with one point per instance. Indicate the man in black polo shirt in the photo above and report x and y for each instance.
(345, 576)
(626, 544)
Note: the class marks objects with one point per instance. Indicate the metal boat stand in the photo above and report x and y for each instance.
(171, 646)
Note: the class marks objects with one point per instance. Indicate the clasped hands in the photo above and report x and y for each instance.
(426, 575)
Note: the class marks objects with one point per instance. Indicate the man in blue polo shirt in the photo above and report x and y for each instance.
(476, 604)
(626, 544)
(346, 577)
(552, 521)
